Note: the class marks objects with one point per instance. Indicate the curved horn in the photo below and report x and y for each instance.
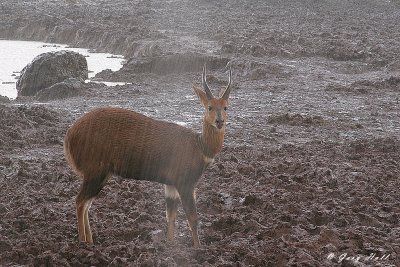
(228, 87)
(205, 85)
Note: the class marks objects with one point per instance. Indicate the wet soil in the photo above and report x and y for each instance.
(309, 173)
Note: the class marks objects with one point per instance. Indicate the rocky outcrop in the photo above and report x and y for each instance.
(4, 99)
(68, 88)
(50, 68)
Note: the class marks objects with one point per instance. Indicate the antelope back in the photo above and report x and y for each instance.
(131, 145)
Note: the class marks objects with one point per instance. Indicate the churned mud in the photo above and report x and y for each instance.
(309, 173)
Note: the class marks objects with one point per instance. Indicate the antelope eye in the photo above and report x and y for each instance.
(209, 108)
(225, 108)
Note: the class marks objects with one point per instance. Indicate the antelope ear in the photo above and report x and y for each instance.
(201, 95)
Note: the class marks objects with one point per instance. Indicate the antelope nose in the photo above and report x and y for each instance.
(219, 123)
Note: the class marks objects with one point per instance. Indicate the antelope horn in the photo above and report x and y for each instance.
(205, 85)
(228, 87)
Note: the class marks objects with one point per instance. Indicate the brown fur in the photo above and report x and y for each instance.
(117, 141)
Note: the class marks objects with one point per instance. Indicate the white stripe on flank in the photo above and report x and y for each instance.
(171, 192)
(208, 160)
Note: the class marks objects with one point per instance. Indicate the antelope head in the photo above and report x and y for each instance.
(215, 108)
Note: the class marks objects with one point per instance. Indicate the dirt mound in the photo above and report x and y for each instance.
(177, 63)
(20, 125)
(367, 86)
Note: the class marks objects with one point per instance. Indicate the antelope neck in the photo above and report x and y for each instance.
(211, 140)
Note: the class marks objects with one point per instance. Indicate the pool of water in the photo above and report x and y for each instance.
(15, 55)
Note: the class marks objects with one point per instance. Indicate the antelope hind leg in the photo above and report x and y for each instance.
(90, 188)
(80, 214)
(88, 231)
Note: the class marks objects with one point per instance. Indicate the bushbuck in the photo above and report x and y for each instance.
(115, 141)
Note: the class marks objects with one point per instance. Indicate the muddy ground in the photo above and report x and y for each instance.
(309, 173)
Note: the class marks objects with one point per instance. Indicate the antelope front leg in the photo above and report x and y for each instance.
(189, 205)
(172, 200)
